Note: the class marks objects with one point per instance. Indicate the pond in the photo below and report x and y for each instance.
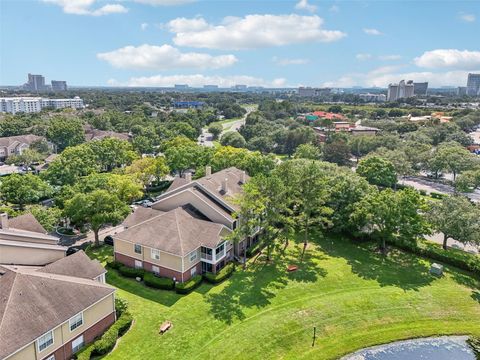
(440, 348)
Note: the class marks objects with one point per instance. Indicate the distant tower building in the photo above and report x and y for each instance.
(473, 84)
(462, 90)
(401, 90)
(420, 88)
(35, 83)
(59, 85)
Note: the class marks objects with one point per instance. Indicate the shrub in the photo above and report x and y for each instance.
(114, 264)
(474, 343)
(454, 257)
(223, 274)
(123, 323)
(158, 282)
(106, 342)
(188, 286)
(85, 353)
(436, 195)
(131, 272)
(422, 192)
(121, 306)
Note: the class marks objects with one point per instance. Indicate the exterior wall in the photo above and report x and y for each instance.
(187, 197)
(28, 256)
(187, 264)
(167, 260)
(28, 239)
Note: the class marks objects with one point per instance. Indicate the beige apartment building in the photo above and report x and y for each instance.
(49, 313)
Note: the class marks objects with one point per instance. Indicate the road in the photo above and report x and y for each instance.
(89, 237)
(233, 125)
(431, 186)
(438, 238)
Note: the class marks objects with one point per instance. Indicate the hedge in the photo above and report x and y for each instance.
(188, 286)
(474, 343)
(131, 272)
(85, 353)
(107, 341)
(114, 264)
(436, 195)
(158, 282)
(457, 258)
(223, 274)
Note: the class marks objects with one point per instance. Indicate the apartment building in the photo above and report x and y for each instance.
(14, 105)
(50, 313)
(16, 145)
(186, 232)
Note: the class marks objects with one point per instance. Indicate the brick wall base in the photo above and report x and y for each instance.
(65, 352)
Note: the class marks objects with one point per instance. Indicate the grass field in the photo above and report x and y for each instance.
(353, 296)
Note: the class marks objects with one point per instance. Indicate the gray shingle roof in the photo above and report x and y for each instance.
(27, 139)
(26, 222)
(175, 232)
(34, 302)
(77, 265)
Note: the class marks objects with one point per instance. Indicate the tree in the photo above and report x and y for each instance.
(307, 151)
(468, 181)
(65, 132)
(233, 138)
(148, 169)
(112, 153)
(215, 130)
(388, 213)
(48, 217)
(97, 208)
(182, 155)
(28, 157)
(337, 150)
(451, 157)
(126, 187)
(456, 217)
(377, 171)
(23, 189)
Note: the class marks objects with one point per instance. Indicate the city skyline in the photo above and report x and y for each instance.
(294, 43)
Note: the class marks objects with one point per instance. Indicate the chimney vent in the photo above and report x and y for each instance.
(4, 221)
(243, 178)
(188, 176)
(224, 185)
(208, 170)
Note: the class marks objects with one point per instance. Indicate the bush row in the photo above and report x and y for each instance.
(188, 286)
(223, 274)
(131, 272)
(158, 282)
(474, 343)
(108, 340)
(436, 195)
(457, 258)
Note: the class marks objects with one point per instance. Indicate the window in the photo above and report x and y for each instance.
(219, 249)
(193, 256)
(76, 321)
(155, 254)
(51, 357)
(138, 248)
(138, 264)
(193, 271)
(45, 341)
(77, 344)
(155, 270)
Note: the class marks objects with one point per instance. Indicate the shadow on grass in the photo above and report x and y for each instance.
(399, 269)
(103, 253)
(164, 297)
(260, 282)
(476, 295)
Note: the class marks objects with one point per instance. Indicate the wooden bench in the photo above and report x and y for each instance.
(165, 327)
(291, 268)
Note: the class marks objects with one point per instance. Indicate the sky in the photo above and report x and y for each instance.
(257, 43)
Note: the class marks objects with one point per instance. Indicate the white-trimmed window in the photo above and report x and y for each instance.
(45, 341)
(137, 248)
(155, 270)
(76, 321)
(77, 344)
(193, 271)
(138, 264)
(51, 357)
(193, 256)
(155, 254)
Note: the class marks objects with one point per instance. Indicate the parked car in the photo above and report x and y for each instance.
(72, 250)
(108, 240)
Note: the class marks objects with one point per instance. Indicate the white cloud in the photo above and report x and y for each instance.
(449, 58)
(144, 26)
(363, 57)
(385, 75)
(198, 80)
(163, 2)
(467, 17)
(285, 61)
(372, 32)
(152, 57)
(251, 31)
(304, 5)
(84, 7)
(389, 57)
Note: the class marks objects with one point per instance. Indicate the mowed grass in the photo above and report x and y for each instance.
(353, 296)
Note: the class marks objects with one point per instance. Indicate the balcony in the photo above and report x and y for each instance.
(212, 256)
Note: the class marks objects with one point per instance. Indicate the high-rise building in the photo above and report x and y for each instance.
(401, 90)
(35, 83)
(462, 90)
(473, 84)
(420, 88)
(58, 85)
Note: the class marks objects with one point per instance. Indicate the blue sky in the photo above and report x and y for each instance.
(268, 43)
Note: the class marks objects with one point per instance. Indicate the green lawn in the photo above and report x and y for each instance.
(353, 296)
